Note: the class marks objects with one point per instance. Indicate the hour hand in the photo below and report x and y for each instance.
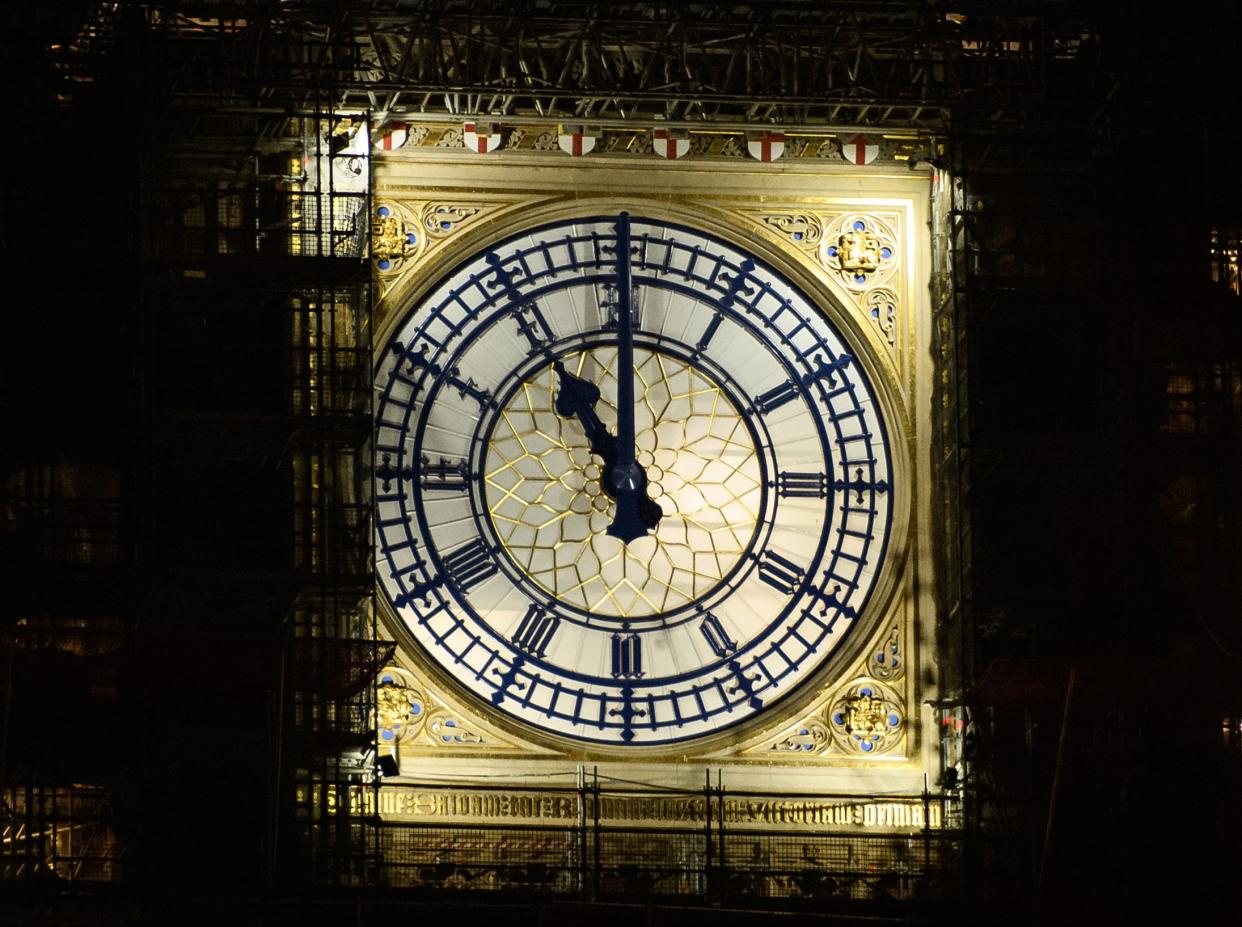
(576, 399)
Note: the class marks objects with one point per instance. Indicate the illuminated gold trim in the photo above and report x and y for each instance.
(723, 199)
(542, 488)
(415, 718)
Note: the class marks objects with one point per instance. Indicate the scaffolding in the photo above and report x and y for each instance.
(703, 855)
(207, 585)
(186, 536)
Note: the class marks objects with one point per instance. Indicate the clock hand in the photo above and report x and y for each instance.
(624, 479)
(576, 399)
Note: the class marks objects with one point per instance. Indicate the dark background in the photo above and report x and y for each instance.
(157, 555)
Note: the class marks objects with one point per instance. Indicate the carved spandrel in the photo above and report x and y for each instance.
(443, 219)
(860, 250)
(881, 309)
(444, 728)
(394, 239)
(413, 232)
(863, 260)
(805, 230)
(808, 737)
(889, 661)
(847, 713)
(411, 719)
(400, 707)
(866, 719)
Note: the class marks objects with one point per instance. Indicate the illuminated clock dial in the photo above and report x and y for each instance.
(632, 486)
(546, 493)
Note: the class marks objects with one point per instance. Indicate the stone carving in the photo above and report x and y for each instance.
(804, 229)
(452, 138)
(809, 737)
(410, 718)
(442, 219)
(866, 719)
(400, 707)
(545, 141)
(445, 728)
(392, 241)
(860, 250)
(888, 661)
(881, 308)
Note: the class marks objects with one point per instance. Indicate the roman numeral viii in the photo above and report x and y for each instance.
(536, 631)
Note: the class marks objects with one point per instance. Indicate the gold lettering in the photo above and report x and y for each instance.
(404, 801)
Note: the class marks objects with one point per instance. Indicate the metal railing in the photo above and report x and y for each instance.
(707, 854)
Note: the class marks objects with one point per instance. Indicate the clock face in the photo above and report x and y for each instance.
(632, 486)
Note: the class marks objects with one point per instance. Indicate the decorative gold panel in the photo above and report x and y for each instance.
(415, 718)
(859, 250)
(873, 703)
(864, 245)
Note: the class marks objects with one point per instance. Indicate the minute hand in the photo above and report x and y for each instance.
(636, 513)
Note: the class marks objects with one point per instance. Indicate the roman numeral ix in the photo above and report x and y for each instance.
(469, 565)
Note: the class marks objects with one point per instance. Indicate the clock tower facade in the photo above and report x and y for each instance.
(772, 621)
